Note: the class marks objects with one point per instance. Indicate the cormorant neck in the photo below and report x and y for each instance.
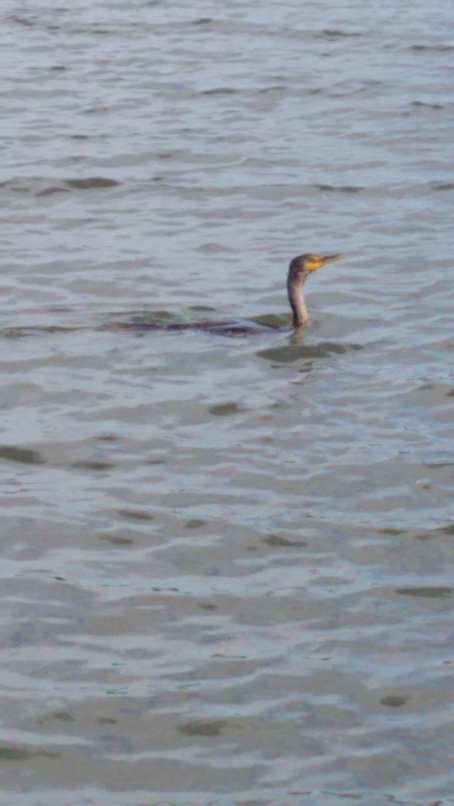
(295, 284)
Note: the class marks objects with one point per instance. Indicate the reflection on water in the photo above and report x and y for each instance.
(299, 349)
(15, 453)
(227, 550)
(431, 593)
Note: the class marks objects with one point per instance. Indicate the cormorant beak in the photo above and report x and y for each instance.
(322, 260)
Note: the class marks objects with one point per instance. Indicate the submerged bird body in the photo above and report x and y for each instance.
(221, 328)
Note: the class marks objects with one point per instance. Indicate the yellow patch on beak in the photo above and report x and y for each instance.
(314, 263)
(318, 260)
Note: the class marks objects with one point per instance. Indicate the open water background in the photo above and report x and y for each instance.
(226, 563)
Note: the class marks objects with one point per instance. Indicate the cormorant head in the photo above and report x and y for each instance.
(303, 265)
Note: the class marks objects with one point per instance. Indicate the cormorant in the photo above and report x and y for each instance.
(299, 270)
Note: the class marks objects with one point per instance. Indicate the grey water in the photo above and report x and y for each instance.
(226, 562)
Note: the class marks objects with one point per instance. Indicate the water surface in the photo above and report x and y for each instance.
(227, 563)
